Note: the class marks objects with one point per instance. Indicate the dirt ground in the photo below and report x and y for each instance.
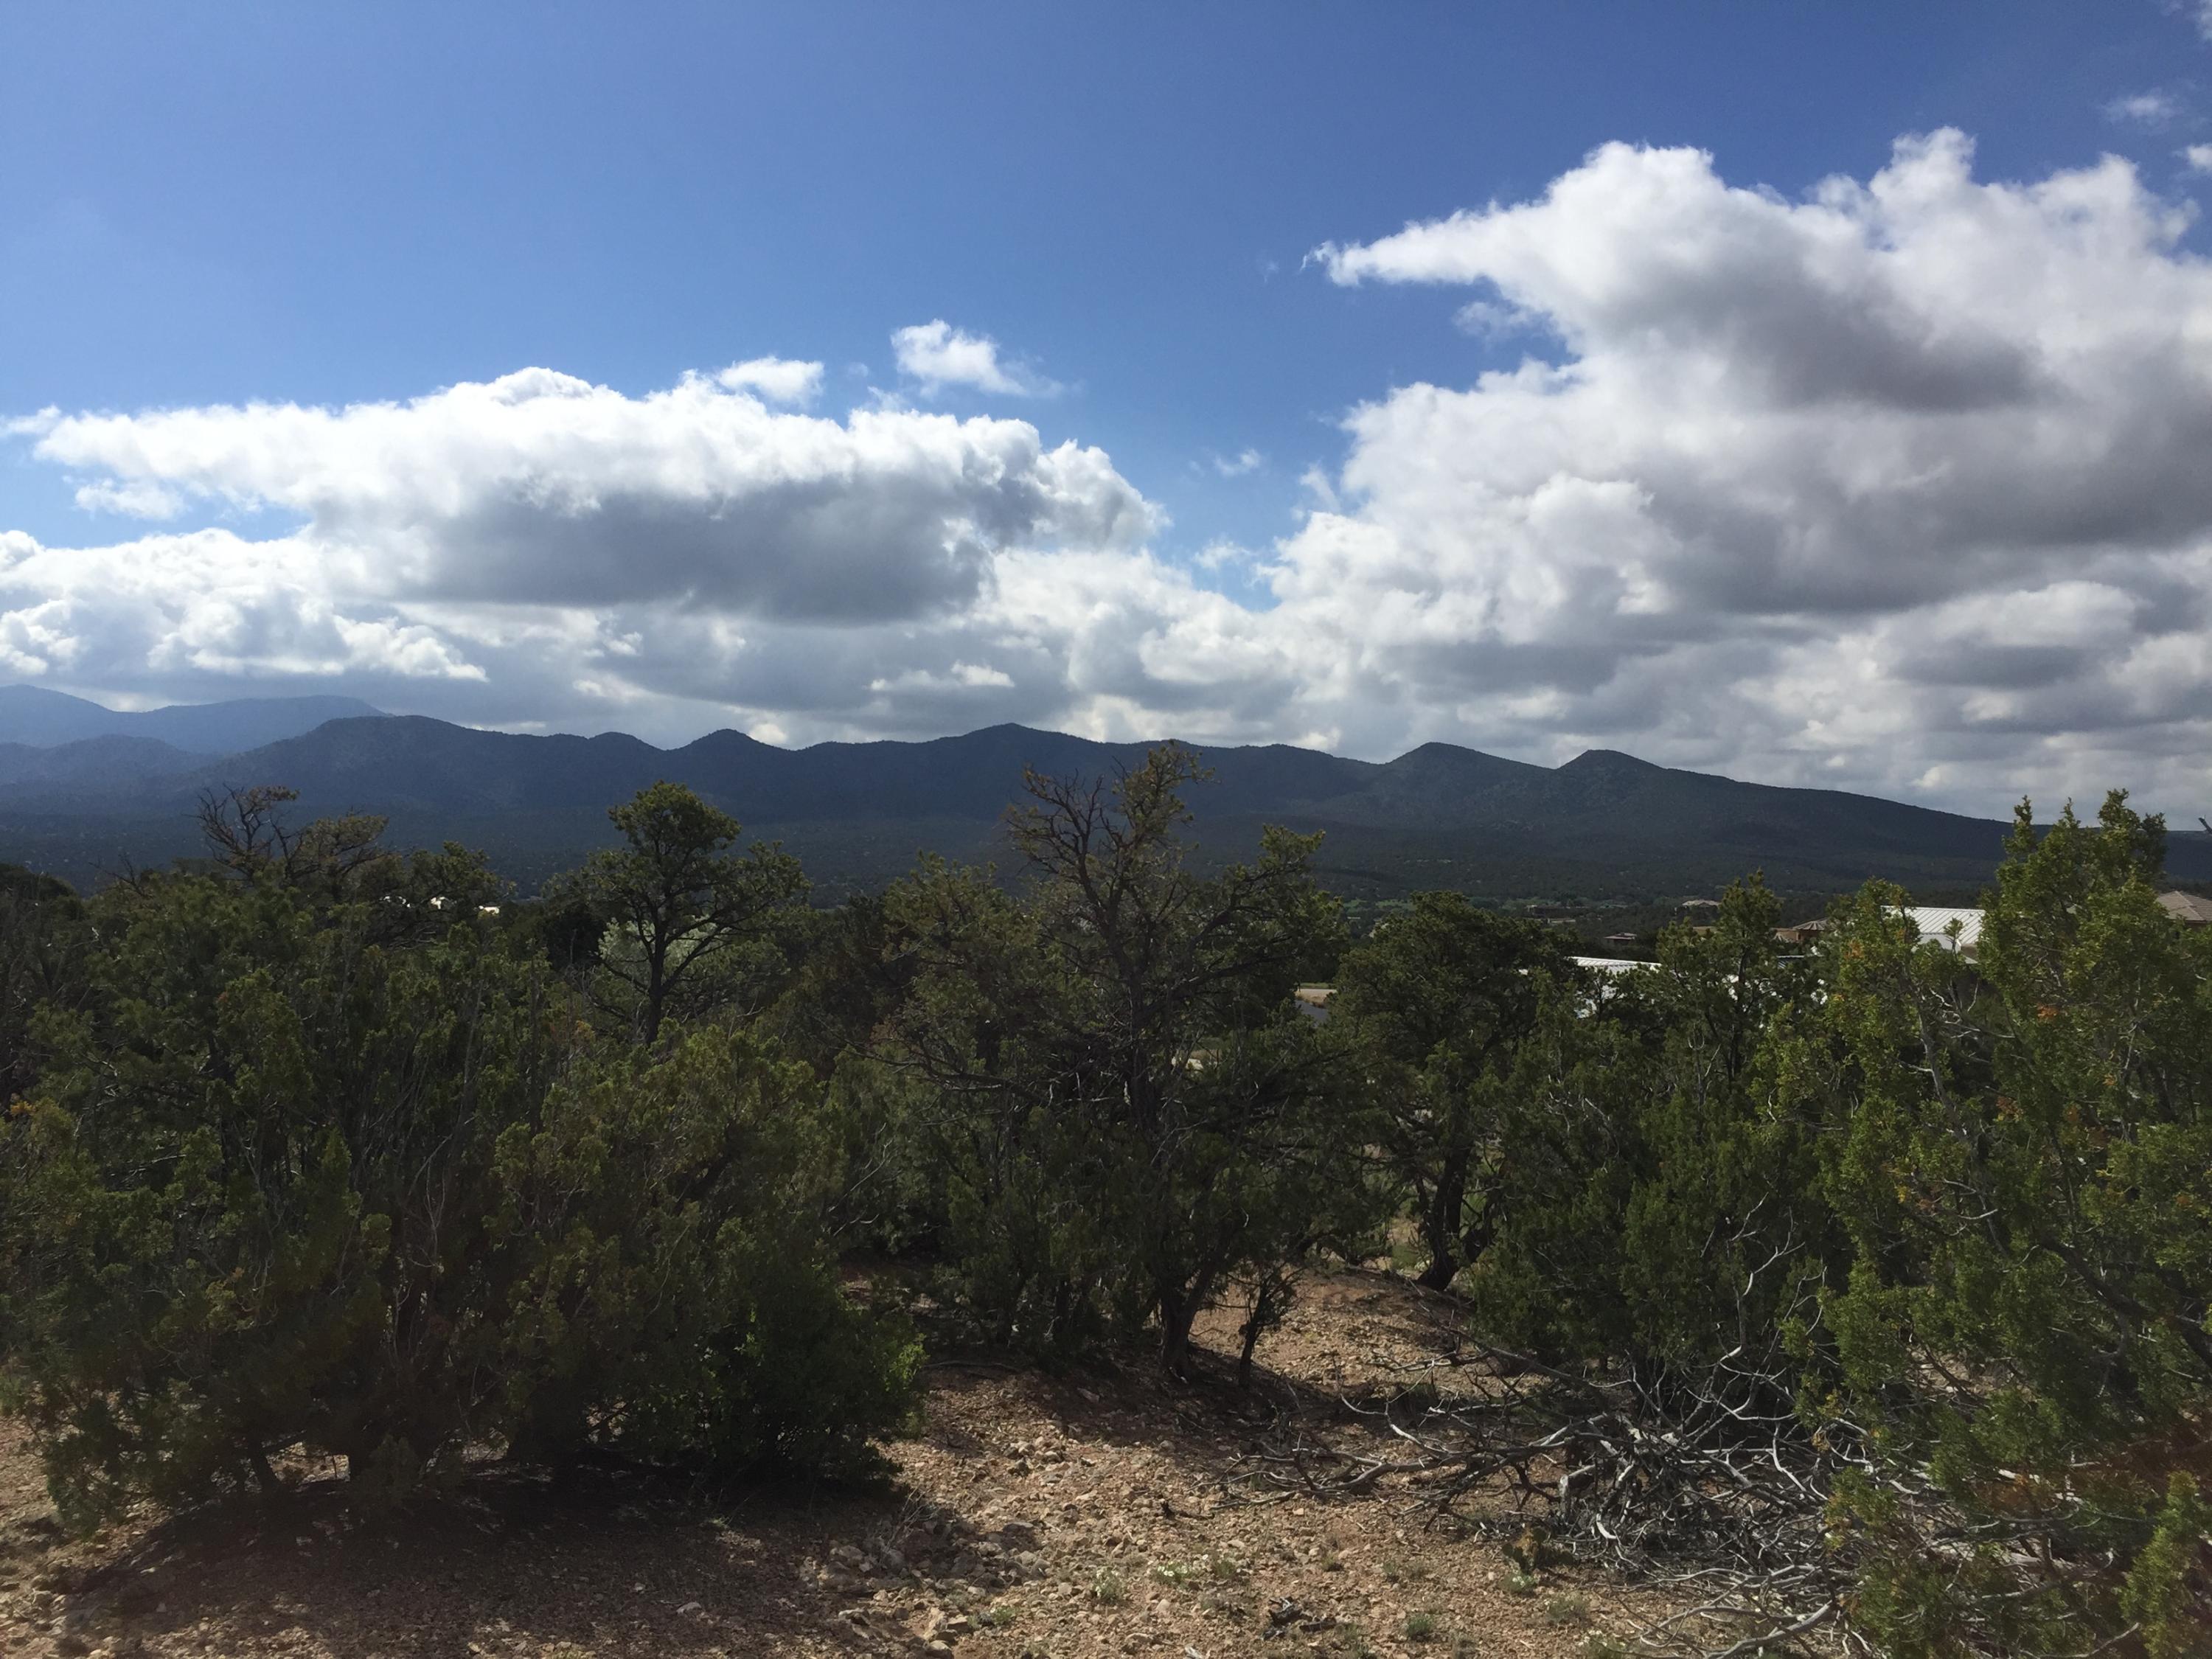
(1080, 1515)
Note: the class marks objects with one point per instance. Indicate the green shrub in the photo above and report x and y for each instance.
(1657, 1208)
(290, 1180)
(678, 1272)
(2025, 1165)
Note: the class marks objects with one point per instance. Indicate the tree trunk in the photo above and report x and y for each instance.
(1440, 1221)
(1179, 1309)
(655, 991)
(263, 1476)
(1263, 1310)
(1176, 1316)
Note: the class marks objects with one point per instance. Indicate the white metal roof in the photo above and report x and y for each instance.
(2186, 907)
(1935, 921)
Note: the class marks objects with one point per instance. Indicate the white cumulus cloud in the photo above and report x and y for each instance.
(937, 354)
(542, 487)
(538, 548)
(777, 380)
(1905, 473)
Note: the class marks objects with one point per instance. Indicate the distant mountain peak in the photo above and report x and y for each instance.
(1610, 760)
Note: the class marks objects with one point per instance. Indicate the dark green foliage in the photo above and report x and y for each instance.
(1958, 1208)
(42, 934)
(1107, 1083)
(1437, 1002)
(677, 1297)
(846, 981)
(2026, 1170)
(687, 919)
(255, 1186)
(1655, 1204)
(304, 1170)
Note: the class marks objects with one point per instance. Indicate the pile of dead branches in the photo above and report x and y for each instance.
(1711, 1485)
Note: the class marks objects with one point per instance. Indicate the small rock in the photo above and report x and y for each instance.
(691, 1606)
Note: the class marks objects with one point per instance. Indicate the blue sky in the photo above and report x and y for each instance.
(223, 204)
(213, 206)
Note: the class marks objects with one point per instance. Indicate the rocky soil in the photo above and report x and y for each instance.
(1092, 1514)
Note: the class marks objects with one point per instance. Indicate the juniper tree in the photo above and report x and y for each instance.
(285, 1180)
(248, 1193)
(1436, 1000)
(681, 906)
(2025, 1166)
(1119, 1103)
(1654, 1207)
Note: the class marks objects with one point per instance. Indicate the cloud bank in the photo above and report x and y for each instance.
(1899, 486)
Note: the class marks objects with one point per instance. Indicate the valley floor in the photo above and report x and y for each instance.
(1082, 1514)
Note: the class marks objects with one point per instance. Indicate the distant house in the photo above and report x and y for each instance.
(1701, 904)
(1936, 924)
(1803, 933)
(1621, 939)
(2187, 908)
(1612, 966)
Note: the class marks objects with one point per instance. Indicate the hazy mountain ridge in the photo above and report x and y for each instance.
(858, 812)
(35, 717)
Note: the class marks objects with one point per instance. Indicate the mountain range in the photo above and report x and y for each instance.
(1604, 824)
